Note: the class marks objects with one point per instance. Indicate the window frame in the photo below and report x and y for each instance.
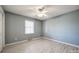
(29, 26)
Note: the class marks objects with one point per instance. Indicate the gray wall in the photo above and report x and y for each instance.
(63, 28)
(15, 28)
(2, 30)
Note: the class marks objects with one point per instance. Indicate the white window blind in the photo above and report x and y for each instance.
(29, 27)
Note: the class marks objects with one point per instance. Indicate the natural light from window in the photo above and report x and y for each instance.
(29, 27)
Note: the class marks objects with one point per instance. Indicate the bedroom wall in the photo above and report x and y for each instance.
(2, 28)
(15, 30)
(63, 28)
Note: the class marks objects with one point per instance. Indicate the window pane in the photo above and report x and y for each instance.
(29, 27)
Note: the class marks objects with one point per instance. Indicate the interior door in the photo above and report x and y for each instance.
(0, 31)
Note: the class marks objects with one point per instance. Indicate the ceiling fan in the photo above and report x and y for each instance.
(41, 11)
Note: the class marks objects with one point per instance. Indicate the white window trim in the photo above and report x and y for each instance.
(33, 27)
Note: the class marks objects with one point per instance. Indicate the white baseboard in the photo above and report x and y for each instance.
(20, 42)
(16, 43)
(45, 38)
(63, 42)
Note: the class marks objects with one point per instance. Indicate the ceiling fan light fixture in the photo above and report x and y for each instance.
(41, 15)
(41, 12)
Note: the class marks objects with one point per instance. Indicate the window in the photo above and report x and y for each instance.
(29, 27)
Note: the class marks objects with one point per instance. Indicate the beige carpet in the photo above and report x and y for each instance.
(40, 45)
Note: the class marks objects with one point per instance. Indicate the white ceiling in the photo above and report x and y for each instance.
(30, 10)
